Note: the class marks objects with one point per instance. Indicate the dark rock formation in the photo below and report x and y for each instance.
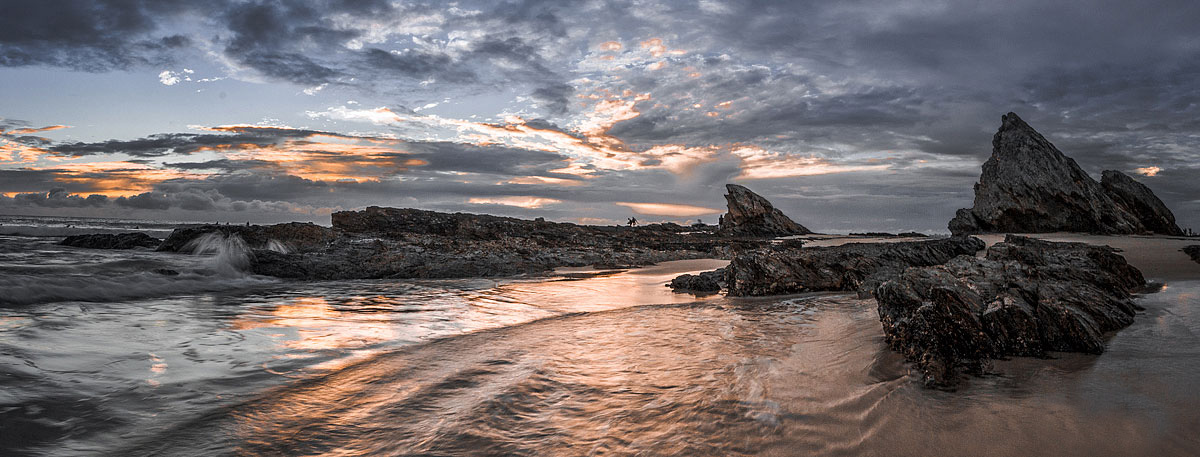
(410, 243)
(1141, 202)
(1024, 298)
(1029, 186)
(290, 236)
(752, 215)
(849, 267)
(111, 241)
(1193, 251)
(708, 282)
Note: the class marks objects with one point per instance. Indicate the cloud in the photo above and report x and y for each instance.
(669, 209)
(91, 36)
(522, 202)
(168, 78)
(313, 90)
(843, 109)
(58, 198)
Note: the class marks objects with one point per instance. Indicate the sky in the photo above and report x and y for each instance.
(849, 115)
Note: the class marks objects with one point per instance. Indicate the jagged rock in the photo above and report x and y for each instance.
(292, 236)
(1193, 251)
(1028, 186)
(1024, 298)
(752, 215)
(1141, 202)
(409, 243)
(111, 241)
(706, 282)
(849, 267)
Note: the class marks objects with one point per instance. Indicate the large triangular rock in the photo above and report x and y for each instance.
(1141, 201)
(752, 215)
(1028, 186)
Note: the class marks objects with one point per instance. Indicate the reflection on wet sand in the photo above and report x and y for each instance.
(313, 324)
(583, 364)
(805, 376)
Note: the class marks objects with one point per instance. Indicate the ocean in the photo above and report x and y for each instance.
(101, 353)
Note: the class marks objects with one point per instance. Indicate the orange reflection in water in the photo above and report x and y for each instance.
(318, 326)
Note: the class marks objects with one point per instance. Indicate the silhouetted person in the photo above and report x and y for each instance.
(632, 221)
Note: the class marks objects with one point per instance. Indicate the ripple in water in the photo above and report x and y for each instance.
(593, 363)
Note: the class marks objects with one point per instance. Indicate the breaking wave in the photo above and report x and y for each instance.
(217, 263)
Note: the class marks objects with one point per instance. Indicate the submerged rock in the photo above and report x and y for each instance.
(111, 241)
(849, 267)
(752, 215)
(708, 282)
(289, 236)
(1024, 298)
(1029, 186)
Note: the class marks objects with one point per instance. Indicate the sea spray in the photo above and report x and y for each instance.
(230, 254)
(277, 246)
(217, 264)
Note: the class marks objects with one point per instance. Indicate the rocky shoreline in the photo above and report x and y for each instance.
(410, 243)
(947, 310)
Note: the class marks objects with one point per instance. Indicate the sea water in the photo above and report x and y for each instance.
(101, 354)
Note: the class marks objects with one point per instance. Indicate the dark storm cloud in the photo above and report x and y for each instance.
(309, 44)
(555, 98)
(225, 165)
(495, 160)
(187, 143)
(88, 35)
(160, 144)
(418, 65)
(269, 36)
(57, 198)
(24, 180)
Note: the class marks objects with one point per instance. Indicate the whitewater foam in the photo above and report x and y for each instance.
(216, 263)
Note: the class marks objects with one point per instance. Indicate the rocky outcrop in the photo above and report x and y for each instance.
(1193, 251)
(292, 236)
(752, 215)
(1029, 186)
(111, 241)
(849, 267)
(1024, 298)
(1141, 202)
(409, 243)
(445, 257)
(708, 282)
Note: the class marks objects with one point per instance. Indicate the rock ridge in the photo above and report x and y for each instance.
(752, 215)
